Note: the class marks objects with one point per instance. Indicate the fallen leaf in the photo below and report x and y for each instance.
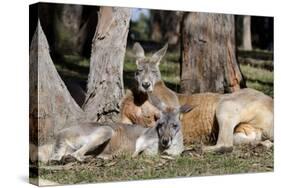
(167, 157)
(186, 148)
(111, 163)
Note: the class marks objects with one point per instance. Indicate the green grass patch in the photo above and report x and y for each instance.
(259, 79)
(257, 74)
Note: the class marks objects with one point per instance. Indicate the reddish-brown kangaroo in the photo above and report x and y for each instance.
(242, 117)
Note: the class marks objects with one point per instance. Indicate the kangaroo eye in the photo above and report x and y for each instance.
(175, 126)
(139, 70)
(159, 125)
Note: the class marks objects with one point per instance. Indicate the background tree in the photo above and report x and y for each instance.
(247, 39)
(165, 26)
(208, 57)
(69, 28)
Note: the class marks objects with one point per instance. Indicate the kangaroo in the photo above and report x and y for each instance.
(148, 80)
(242, 117)
(105, 140)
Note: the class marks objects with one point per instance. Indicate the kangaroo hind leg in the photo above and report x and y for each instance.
(98, 137)
(227, 118)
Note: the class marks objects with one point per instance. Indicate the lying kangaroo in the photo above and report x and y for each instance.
(107, 139)
(243, 117)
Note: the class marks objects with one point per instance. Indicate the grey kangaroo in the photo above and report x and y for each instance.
(108, 139)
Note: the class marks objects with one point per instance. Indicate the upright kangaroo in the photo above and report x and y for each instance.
(243, 117)
(108, 139)
(148, 80)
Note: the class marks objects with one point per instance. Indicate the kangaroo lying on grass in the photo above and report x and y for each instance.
(243, 117)
(107, 139)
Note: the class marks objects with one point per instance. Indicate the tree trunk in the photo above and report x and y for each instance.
(105, 81)
(166, 26)
(247, 39)
(69, 28)
(156, 19)
(68, 19)
(208, 54)
(51, 106)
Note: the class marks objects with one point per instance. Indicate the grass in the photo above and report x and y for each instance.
(259, 79)
(192, 163)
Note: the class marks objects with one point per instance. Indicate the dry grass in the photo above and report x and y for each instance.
(192, 163)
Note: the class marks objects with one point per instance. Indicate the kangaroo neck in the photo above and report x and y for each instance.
(159, 84)
(159, 87)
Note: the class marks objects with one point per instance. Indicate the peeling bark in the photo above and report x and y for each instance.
(51, 106)
(105, 81)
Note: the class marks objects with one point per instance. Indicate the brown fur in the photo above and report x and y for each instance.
(167, 96)
(245, 116)
(200, 125)
(135, 109)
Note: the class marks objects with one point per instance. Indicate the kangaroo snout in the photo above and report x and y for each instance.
(165, 142)
(146, 85)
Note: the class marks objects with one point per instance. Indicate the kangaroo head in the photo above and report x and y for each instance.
(148, 72)
(168, 123)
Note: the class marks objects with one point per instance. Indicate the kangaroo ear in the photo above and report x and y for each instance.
(157, 116)
(185, 108)
(138, 51)
(157, 56)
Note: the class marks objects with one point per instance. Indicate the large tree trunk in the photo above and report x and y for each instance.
(247, 39)
(208, 54)
(165, 26)
(51, 106)
(105, 81)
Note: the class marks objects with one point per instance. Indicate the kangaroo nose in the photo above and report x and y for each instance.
(145, 85)
(165, 141)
